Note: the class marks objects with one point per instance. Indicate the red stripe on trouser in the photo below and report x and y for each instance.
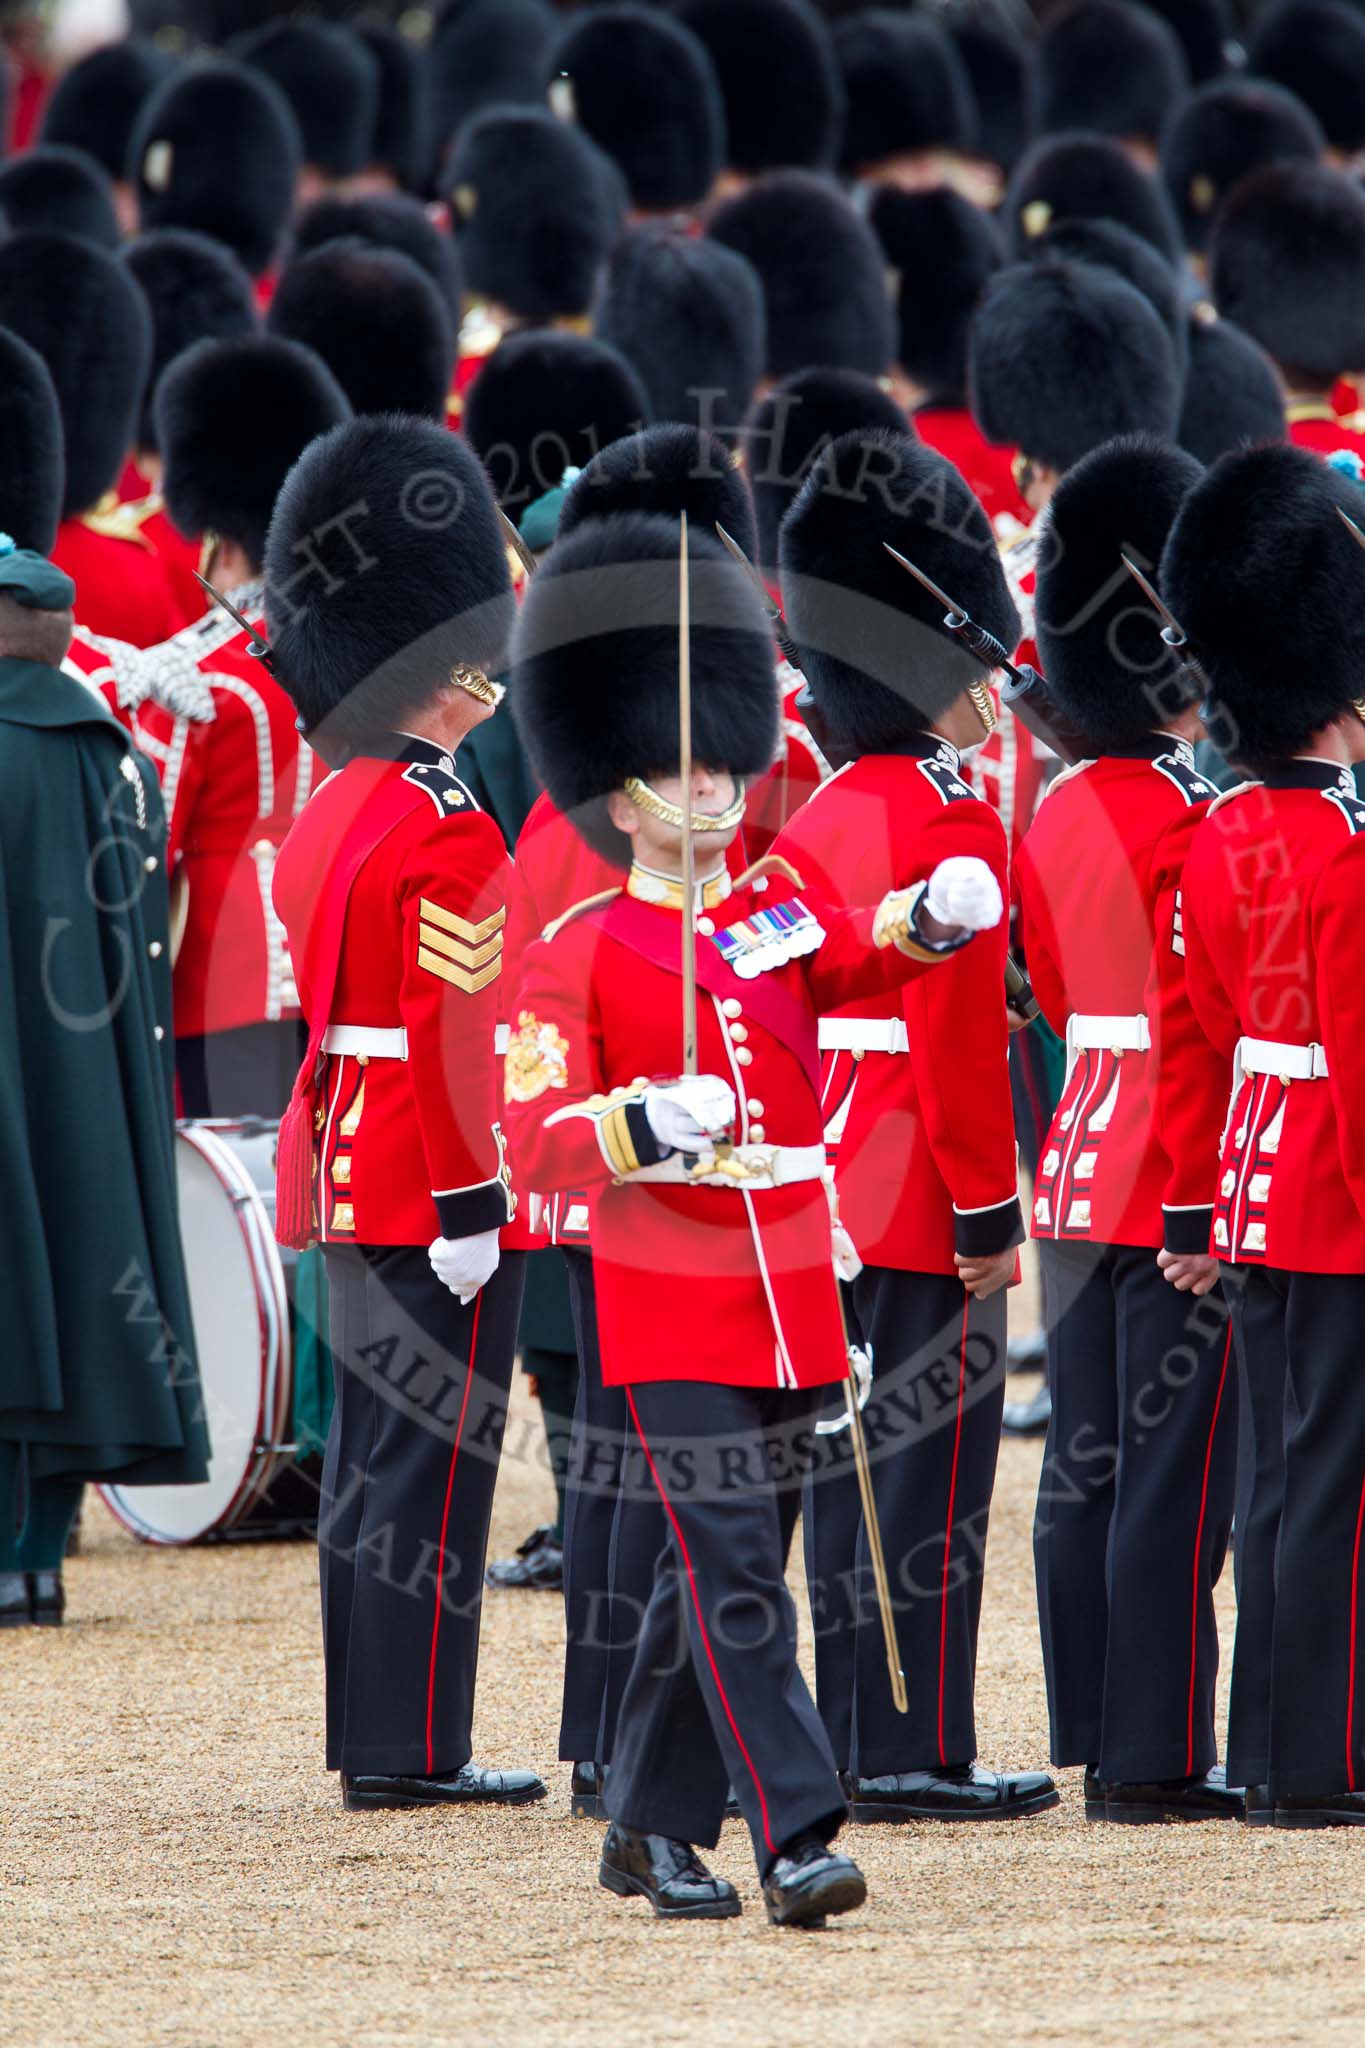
(948, 1532)
(1198, 1548)
(1355, 1611)
(701, 1620)
(445, 1524)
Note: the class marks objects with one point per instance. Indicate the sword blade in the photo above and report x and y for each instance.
(689, 863)
(512, 535)
(259, 647)
(1155, 600)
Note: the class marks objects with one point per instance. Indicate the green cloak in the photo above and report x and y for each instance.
(97, 1367)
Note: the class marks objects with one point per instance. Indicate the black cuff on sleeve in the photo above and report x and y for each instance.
(1187, 1231)
(984, 1232)
(465, 1212)
(648, 1150)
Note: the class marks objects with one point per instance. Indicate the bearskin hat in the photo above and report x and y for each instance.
(595, 666)
(385, 567)
(873, 645)
(789, 428)
(31, 468)
(643, 87)
(1109, 68)
(1087, 177)
(999, 68)
(1099, 639)
(1287, 263)
(486, 53)
(666, 470)
(377, 321)
(536, 207)
(1206, 32)
(1316, 50)
(217, 149)
(544, 402)
(87, 319)
(401, 141)
(1063, 356)
(215, 478)
(1108, 246)
(1233, 395)
(387, 220)
(906, 87)
(329, 79)
(1265, 579)
(59, 191)
(196, 290)
(943, 251)
(687, 314)
(1222, 133)
(781, 87)
(94, 106)
(822, 272)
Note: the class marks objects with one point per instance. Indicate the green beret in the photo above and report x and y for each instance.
(32, 580)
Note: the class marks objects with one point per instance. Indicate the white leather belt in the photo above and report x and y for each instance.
(365, 1041)
(863, 1034)
(742, 1167)
(1113, 1034)
(1291, 1062)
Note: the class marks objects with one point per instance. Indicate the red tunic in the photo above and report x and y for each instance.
(122, 585)
(985, 466)
(1098, 882)
(1262, 885)
(1318, 427)
(926, 1165)
(410, 1148)
(714, 1282)
(232, 784)
(799, 770)
(177, 552)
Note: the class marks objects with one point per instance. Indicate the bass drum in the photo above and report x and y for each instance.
(241, 1287)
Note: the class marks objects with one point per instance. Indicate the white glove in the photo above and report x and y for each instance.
(963, 890)
(685, 1115)
(464, 1264)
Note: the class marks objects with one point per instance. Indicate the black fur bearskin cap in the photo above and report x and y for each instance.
(943, 251)
(95, 105)
(217, 149)
(688, 314)
(642, 86)
(31, 464)
(1109, 68)
(377, 321)
(329, 79)
(1287, 263)
(546, 401)
(1233, 394)
(1316, 49)
(387, 220)
(196, 290)
(666, 470)
(790, 427)
(60, 191)
(1087, 177)
(536, 207)
(1221, 134)
(781, 87)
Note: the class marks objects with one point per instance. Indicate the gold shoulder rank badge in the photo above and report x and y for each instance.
(537, 1059)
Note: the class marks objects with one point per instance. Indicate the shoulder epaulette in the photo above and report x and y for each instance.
(557, 924)
(1064, 775)
(448, 794)
(948, 783)
(1194, 787)
(1225, 796)
(114, 521)
(771, 864)
(1350, 806)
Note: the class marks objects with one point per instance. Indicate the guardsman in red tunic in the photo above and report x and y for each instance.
(392, 890)
(1135, 1505)
(1284, 264)
(233, 780)
(1267, 582)
(717, 1306)
(926, 1170)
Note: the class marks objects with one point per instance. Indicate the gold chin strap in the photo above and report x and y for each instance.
(654, 806)
(478, 685)
(983, 705)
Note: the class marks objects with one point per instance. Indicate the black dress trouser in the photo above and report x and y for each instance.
(1298, 1669)
(715, 1697)
(614, 1529)
(933, 1433)
(1134, 1512)
(407, 1491)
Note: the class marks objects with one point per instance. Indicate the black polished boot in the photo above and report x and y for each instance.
(585, 1793)
(46, 1599)
(538, 1566)
(1094, 1794)
(1319, 1810)
(1207, 1798)
(953, 1792)
(15, 1610)
(1260, 1811)
(471, 1786)
(809, 1881)
(669, 1874)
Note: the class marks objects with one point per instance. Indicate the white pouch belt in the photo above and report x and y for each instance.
(863, 1034)
(365, 1041)
(1271, 1056)
(1114, 1034)
(744, 1167)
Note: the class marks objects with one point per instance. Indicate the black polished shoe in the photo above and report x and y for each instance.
(1093, 1785)
(809, 1881)
(538, 1566)
(956, 1792)
(46, 1599)
(1319, 1810)
(471, 1786)
(15, 1611)
(669, 1874)
(1028, 1418)
(1260, 1813)
(1207, 1798)
(585, 1793)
